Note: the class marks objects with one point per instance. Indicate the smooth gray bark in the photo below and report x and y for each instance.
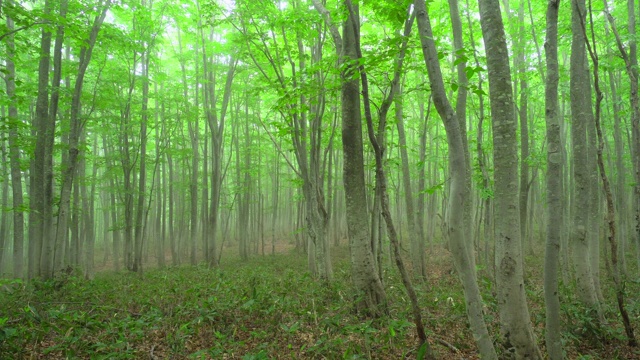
(14, 158)
(515, 321)
(582, 118)
(418, 255)
(553, 335)
(457, 226)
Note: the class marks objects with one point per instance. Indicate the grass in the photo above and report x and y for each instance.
(267, 308)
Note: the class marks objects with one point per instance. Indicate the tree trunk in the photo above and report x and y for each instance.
(142, 179)
(457, 229)
(74, 135)
(417, 242)
(14, 159)
(515, 321)
(553, 334)
(582, 118)
(4, 203)
(89, 219)
(40, 249)
(618, 278)
(521, 67)
(372, 297)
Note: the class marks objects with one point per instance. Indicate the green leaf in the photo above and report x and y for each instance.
(422, 351)
(479, 92)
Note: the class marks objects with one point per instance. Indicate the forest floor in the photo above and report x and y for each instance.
(270, 308)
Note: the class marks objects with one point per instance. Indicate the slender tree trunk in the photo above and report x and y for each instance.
(89, 219)
(372, 297)
(553, 335)
(582, 118)
(159, 175)
(618, 278)
(69, 167)
(523, 115)
(378, 143)
(634, 97)
(620, 170)
(115, 225)
(40, 249)
(457, 229)
(515, 322)
(417, 242)
(170, 178)
(4, 203)
(14, 159)
(140, 219)
(422, 179)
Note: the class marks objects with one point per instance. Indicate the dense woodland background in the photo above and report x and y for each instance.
(382, 142)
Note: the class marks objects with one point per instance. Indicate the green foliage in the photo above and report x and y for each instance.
(249, 311)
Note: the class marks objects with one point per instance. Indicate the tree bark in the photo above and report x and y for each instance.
(582, 118)
(417, 242)
(14, 159)
(372, 297)
(515, 322)
(140, 219)
(524, 132)
(69, 167)
(40, 250)
(4, 203)
(457, 227)
(553, 334)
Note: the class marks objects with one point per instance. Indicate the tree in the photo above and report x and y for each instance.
(40, 251)
(14, 157)
(553, 337)
(515, 323)
(458, 226)
(69, 166)
(582, 119)
(363, 271)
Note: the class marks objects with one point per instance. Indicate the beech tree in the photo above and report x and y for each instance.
(460, 188)
(554, 186)
(144, 133)
(515, 322)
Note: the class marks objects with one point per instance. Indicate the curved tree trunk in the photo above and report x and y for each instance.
(457, 228)
(69, 167)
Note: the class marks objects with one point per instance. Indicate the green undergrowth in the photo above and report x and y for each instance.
(266, 308)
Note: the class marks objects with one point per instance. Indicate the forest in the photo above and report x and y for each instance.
(319, 179)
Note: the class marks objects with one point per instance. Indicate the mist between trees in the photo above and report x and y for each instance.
(502, 137)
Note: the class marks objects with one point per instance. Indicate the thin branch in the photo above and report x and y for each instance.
(273, 140)
(21, 28)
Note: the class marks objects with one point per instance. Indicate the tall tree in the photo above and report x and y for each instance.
(553, 337)
(216, 121)
(14, 156)
(75, 126)
(457, 229)
(38, 244)
(304, 114)
(365, 277)
(515, 322)
(582, 119)
(618, 279)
